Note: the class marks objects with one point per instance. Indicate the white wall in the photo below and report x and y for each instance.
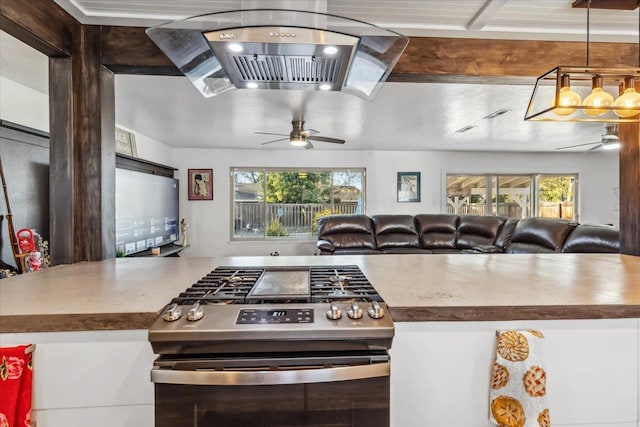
(150, 149)
(22, 105)
(209, 230)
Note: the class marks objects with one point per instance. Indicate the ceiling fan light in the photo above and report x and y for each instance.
(298, 141)
(611, 145)
(325, 86)
(568, 100)
(252, 85)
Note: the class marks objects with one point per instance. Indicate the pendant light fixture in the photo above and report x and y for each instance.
(586, 94)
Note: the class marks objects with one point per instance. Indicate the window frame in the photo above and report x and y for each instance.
(534, 189)
(263, 237)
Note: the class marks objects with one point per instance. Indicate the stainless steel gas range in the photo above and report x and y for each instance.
(274, 346)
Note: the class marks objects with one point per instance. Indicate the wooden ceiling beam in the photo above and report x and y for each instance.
(44, 26)
(128, 50)
(430, 58)
(607, 4)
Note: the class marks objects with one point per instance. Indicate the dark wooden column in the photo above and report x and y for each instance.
(93, 151)
(82, 128)
(61, 166)
(630, 188)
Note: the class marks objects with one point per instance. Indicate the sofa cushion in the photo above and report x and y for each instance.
(534, 235)
(398, 250)
(593, 238)
(395, 231)
(475, 230)
(437, 231)
(347, 231)
(446, 251)
(356, 251)
(506, 232)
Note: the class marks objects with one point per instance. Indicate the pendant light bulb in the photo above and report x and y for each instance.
(597, 99)
(568, 100)
(628, 100)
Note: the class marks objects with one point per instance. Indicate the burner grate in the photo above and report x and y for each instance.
(341, 283)
(221, 286)
(229, 285)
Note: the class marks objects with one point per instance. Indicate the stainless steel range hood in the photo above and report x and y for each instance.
(280, 49)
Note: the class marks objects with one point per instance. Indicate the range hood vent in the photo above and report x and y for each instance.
(319, 52)
(290, 69)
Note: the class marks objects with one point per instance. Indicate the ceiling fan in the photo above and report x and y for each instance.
(301, 137)
(610, 140)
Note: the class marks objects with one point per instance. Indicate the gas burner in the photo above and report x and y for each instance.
(341, 283)
(339, 279)
(224, 285)
(230, 285)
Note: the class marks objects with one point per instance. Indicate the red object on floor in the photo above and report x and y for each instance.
(26, 243)
(16, 380)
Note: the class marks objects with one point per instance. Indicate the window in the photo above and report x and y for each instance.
(287, 203)
(512, 196)
(556, 196)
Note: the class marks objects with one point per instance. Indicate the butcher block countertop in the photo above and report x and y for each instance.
(128, 293)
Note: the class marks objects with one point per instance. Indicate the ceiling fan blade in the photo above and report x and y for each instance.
(308, 146)
(578, 145)
(275, 140)
(269, 133)
(309, 132)
(326, 139)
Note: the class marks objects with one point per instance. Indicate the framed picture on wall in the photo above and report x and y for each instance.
(408, 186)
(200, 184)
(126, 143)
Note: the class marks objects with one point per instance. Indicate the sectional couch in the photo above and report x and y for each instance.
(444, 233)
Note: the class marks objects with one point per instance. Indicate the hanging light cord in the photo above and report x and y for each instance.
(588, 13)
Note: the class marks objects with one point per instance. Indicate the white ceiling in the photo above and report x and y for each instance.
(403, 116)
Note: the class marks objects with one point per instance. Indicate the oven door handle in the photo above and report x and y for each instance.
(276, 377)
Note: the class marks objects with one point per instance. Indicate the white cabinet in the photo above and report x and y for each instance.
(441, 371)
(440, 374)
(92, 378)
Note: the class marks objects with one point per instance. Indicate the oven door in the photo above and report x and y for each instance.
(302, 391)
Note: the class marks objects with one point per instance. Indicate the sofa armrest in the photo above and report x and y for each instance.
(325, 246)
(488, 249)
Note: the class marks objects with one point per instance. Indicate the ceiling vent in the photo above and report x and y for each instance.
(280, 49)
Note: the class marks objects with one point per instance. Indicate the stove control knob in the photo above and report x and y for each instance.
(334, 312)
(354, 312)
(173, 313)
(196, 313)
(375, 311)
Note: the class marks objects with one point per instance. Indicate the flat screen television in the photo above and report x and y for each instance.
(146, 211)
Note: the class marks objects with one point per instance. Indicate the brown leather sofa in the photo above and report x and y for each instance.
(444, 233)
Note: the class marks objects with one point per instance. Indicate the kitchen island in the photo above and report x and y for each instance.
(89, 322)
